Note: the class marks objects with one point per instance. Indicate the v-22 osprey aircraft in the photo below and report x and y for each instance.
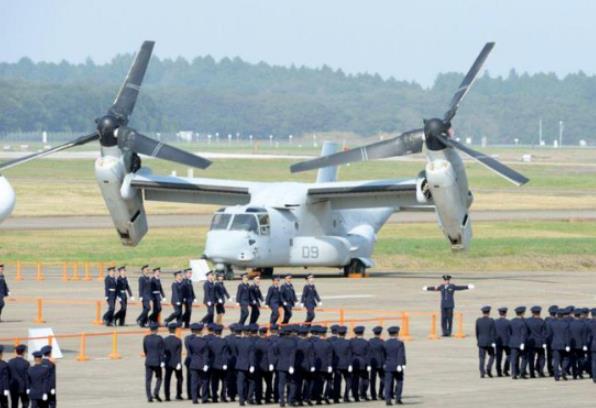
(263, 225)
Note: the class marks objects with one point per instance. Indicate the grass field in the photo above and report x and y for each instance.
(497, 246)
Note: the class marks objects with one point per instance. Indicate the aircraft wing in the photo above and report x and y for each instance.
(192, 190)
(397, 193)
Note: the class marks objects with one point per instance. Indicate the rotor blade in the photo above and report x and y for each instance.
(407, 143)
(142, 144)
(127, 95)
(76, 142)
(467, 82)
(492, 164)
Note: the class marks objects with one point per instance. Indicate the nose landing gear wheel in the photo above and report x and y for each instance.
(355, 267)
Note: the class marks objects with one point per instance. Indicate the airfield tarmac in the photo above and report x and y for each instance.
(440, 373)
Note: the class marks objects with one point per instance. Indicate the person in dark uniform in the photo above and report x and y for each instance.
(144, 296)
(5, 380)
(256, 297)
(592, 343)
(486, 337)
(187, 363)
(4, 291)
(188, 295)
(209, 298)
(38, 381)
(218, 364)
(503, 330)
(273, 338)
(244, 351)
(561, 339)
(552, 311)
(243, 298)
(304, 373)
(173, 361)
(264, 367)
(285, 352)
(536, 345)
(342, 353)
(46, 351)
(517, 343)
(310, 298)
(221, 296)
(394, 366)
(123, 292)
(157, 295)
(154, 349)
(231, 377)
(19, 381)
(177, 299)
(579, 343)
(273, 300)
(377, 356)
(198, 351)
(109, 284)
(288, 298)
(360, 364)
(447, 290)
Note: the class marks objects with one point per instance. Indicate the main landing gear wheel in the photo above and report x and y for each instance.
(355, 267)
(266, 273)
(227, 271)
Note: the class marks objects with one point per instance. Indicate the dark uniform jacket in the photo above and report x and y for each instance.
(144, 287)
(39, 381)
(244, 349)
(288, 294)
(305, 354)
(109, 284)
(198, 350)
(156, 289)
(177, 295)
(230, 340)
(377, 352)
(188, 291)
(592, 335)
(560, 335)
(3, 287)
(264, 353)
(221, 293)
(172, 351)
(360, 353)
(18, 374)
(579, 334)
(273, 299)
(503, 334)
(208, 293)
(46, 362)
(122, 287)
(447, 294)
(243, 294)
(342, 353)
(310, 297)
(486, 332)
(154, 348)
(218, 352)
(395, 354)
(323, 354)
(5, 377)
(537, 332)
(519, 332)
(285, 352)
(256, 297)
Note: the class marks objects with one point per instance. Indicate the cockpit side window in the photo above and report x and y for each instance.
(220, 221)
(264, 227)
(245, 222)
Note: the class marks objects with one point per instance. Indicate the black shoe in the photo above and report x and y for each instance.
(389, 403)
(179, 398)
(399, 402)
(168, 399)
(514, 377)
(541, 375)
(564, 377)
(482, 375)
(157, 398)
(506, 374)
(149, 399)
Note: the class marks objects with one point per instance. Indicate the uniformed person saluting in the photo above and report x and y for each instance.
(157, 295)
(122, 292)
(154, 349)
(221, 296)
(4, 291)
(19, 381)
(447, 290)
(273, 300)
(5, 379)
(144, 295)
(486, 336)
(38, 382)
(256, 297)
(177, 299)
(110, 296)
(310, 298)
(243, 298)
(288, 298)
(173, 361)
(394, 366)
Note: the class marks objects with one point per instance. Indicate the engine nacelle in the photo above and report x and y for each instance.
(7, 198)
(128, 214)
(451, 201)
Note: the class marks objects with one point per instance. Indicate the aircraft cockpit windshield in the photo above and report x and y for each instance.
(257, 222)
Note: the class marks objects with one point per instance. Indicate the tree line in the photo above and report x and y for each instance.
(231, 95)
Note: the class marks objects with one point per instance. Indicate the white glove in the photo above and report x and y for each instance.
(585, 348)
(471, 286)
(140, 299)
(6, 393)
(178, 303)
(567, 349)
(312, 369)
(251, 369)
(120, 299)
(44, 397)
(291, 370)
(270, 367)
(162, 365)
(28, 391)
(399, 369)
(522, 346)
(163, 301)
(208, 303)
(544, 346)
(350, 368)
(403, 368)
(133, 298)
(194, 301)
(178, 367)
(220, 300)
(493, 345)
(53, 391)
(320, 304)
(368, 368)
(329, 369)
(106, 298)
(224, 367)
(424, 288)
(205, 368)
(285, 303)
(238, 304)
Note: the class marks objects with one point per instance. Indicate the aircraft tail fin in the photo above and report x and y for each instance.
(326, 174)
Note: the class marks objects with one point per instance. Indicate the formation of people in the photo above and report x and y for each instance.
(562, 345)
(249, 298)
(28, 384)
(285, 364)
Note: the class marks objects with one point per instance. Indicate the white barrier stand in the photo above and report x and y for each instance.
(36, 344)
(200, 267)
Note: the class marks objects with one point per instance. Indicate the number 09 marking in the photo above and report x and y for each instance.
(310, 252)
